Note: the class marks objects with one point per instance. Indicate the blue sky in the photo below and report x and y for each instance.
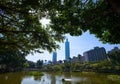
(78, 45)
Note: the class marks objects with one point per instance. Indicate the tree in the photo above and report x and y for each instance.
(31, 64)
(39, 63)
(12, 60)
(100, 17)
(20, 27)
(67, 65)
(114, 56)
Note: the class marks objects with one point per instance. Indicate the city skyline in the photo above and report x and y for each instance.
(78, 45)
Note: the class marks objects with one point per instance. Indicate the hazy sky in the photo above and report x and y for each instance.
(78, 45)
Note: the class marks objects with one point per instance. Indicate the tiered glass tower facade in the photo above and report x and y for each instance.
(67, 50)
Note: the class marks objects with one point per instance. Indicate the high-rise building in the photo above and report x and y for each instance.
(94, 55)
(54, 57)
(67, 50)
(113, 50)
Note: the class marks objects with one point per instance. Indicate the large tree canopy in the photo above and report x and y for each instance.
(20, 26)
(100, 17)
(11, 60)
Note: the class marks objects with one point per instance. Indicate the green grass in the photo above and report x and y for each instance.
(114, 77)
(35, 73)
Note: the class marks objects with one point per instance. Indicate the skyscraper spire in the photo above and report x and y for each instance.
(67, 50)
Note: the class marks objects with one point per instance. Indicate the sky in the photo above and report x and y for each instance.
(78, 45)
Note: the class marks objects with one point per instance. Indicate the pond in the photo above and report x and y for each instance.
(54, 78)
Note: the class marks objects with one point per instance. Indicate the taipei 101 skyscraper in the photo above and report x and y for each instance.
(67, 50)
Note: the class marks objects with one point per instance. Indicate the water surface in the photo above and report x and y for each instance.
(54, 78)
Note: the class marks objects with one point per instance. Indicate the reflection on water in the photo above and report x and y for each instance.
(52, 78)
